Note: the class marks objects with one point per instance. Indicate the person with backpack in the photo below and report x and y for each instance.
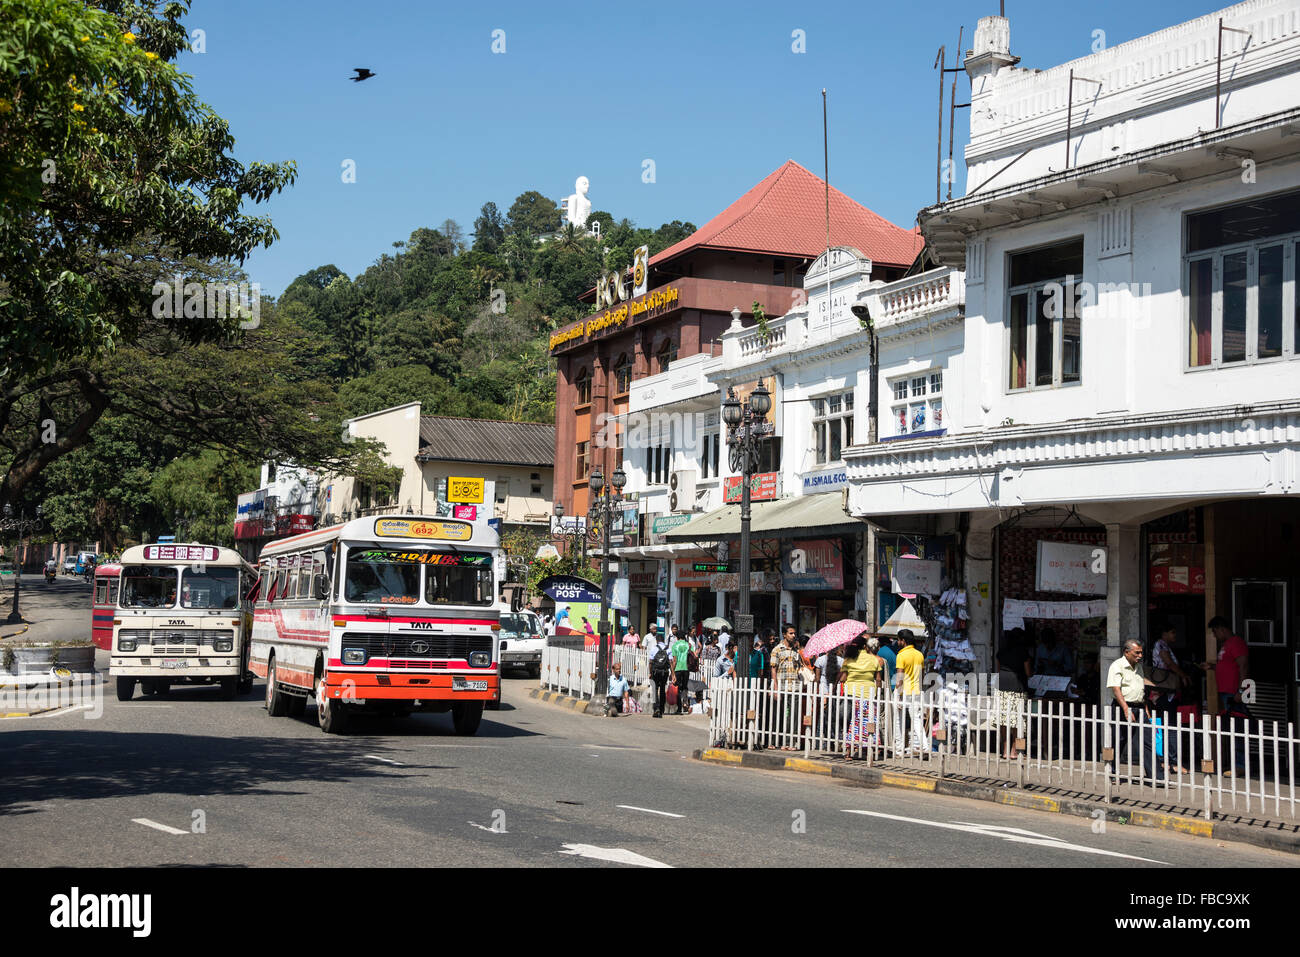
(661, 667)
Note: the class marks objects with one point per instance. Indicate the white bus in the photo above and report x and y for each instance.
(383, 614)
(181, 616)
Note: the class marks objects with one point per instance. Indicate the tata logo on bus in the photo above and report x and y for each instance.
(419, 528)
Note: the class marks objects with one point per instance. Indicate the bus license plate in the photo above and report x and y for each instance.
(174, 663)
(461, 684)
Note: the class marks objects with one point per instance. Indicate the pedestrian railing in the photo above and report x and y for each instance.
(1216, 765)
(572, 671)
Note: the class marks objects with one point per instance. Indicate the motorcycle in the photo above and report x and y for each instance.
(49, 575)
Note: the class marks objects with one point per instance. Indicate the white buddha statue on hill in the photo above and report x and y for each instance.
(578, 207)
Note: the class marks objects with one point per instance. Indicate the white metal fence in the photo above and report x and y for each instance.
(1216, 765)
(572, 671)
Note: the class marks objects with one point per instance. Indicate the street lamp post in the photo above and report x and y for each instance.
(22, 526)
(606, 500)
(746, 425)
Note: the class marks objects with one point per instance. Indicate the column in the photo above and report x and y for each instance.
(984, 627)
(1123, 590)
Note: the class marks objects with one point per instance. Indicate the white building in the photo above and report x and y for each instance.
(1128, 377)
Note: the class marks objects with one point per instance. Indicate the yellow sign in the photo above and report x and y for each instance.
(465, 491)
(423, 528)
(659, 299)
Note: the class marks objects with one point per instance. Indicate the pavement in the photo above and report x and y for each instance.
(51, 612)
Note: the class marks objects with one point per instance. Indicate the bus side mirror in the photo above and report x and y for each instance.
(322, 588)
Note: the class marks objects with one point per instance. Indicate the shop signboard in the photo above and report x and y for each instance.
(758, 581)
(763, 487)
(916, 576)
(665, 523)
(826, 481)
(813, 565)
(685, 575)
(1076, 569)
(642, 576)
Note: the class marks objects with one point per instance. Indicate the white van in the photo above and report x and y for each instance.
(522, 641)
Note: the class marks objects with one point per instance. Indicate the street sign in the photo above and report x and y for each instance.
(712, 567)
(745, 624)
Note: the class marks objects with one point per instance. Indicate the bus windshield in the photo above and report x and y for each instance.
(383, 576)
(149, 586)
(467, 584)
(210, 588)
(521, 626)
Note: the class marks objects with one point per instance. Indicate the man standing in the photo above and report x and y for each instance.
(651, 639)
(661, 666)
(911, 664)
(681, 652)
(887, 654)
(1127, 684)
(786, 662)
(616, 697)
(1232, 669)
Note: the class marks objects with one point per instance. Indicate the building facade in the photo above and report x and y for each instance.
(1121, 418)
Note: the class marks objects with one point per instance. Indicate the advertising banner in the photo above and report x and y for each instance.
(814, 565)
(763, 487)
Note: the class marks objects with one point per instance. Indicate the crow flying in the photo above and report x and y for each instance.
(362, 74)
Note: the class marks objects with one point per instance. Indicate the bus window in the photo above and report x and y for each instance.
(101, 592)
(210, 588)
(281, 584)
(149, 586)
(112, 591)
(304, 577)
(458, 585)
(382, 575)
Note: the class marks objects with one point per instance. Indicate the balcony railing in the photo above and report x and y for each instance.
(917, 296)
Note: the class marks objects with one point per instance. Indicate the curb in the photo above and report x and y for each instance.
(580, 705)
(16, 633)
(1273, 838)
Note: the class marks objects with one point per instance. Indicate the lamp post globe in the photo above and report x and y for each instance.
(731, 409)
(619, 478)
(760, 401)
(597, 480)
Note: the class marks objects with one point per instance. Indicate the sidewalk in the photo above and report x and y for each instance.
(586, 706)
(1257, 829)
(57, 612)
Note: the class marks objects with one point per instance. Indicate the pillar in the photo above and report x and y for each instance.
(1123, 591)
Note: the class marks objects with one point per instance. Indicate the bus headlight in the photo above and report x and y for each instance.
(126, 644)
(224, 644)
(354, 656)
(480, 659)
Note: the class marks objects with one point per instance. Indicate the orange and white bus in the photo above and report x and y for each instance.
(382, 614)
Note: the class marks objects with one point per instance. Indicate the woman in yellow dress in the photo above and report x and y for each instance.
(861, 678)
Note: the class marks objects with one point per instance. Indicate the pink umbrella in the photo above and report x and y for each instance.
(833, 635)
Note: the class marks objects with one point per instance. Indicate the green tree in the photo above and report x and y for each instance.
(489, 230)
(105, 145)
(532, 215)
(202, 489)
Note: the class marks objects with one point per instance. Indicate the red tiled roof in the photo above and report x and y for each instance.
(785, 215)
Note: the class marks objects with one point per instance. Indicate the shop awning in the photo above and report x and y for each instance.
(785, 518)
(656, 551)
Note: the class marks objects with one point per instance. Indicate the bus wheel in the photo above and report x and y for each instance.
(228, 688)
(466, 715)
(276, 705)
(125, 689)
(330, 713)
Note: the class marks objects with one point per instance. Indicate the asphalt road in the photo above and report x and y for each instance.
(191, 779)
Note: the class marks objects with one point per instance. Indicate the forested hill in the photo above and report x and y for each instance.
(459, 322)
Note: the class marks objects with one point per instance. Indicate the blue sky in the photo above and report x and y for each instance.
(710, 91)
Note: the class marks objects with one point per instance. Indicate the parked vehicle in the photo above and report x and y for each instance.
(85, 560)
(103, 605)
(522, 641)
(69, 564)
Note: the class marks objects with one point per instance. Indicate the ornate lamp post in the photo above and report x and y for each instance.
(605, 504)
(746, 425)
(577, 548)
(22, 526)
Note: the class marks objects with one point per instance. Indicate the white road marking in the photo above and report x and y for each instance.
(649, 810)
(1013, 834)
(483, 827)
(619, 855)
(156, 826)
(376, 757)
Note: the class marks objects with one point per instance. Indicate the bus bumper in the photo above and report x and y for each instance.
(206, 667)
(398, 687)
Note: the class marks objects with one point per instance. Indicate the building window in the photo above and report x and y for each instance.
(832, 426)
(1239, 274)
(918, 403)
(1044, 334)
(580, 471)
(622, 375)
(582, 385)
(503, 488)
(658, 463)
(710, 455)
(778, 272)
(666, 355)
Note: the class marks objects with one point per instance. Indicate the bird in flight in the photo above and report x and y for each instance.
(362, 74)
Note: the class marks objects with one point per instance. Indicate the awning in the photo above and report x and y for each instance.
(805, 514)
(652, 552)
